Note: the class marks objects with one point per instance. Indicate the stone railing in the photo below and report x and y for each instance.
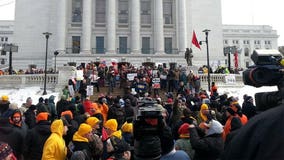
(28, 80)
(58, 81)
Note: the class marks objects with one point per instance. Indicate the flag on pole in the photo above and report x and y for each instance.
(195, 41)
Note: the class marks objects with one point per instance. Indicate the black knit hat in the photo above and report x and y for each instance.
(231, 111)
(5, 150)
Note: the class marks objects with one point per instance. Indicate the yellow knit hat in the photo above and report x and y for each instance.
(117, 134)
(111, 124)
(127, 127)
(92, 121)
(84, 129)
(5, 98)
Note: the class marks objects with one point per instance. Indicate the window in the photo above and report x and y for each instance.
(167, 10)
(146, 45)
(256, 42)
(75, 44)
(77, 10)
(246, 52)
(100, 44)
(122, 45)
(123, 11)
(246, 41)
(6, 39)
(168, 45)
(235, 42)
(100, 11)
(267, 42)
(2, 39)
(145, 12)
(225, 41)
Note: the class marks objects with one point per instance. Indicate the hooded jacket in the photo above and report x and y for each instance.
(54, 147)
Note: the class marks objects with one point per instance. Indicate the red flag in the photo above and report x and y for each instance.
(236, 59)
(195, 41)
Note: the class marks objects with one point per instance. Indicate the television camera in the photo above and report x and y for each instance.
(268, 70)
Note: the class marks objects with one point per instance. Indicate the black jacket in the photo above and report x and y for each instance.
(35, 140)
(12, 136)
(206, 148)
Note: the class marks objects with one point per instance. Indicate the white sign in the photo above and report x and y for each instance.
(90, 90)
(230, 79)
(71, 90)
(130, 76)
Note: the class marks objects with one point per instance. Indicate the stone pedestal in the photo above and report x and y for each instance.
(64, 74)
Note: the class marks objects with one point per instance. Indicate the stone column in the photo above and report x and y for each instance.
(182, 27)
(61, 25)
(135, 27)
(159, 27)
(86, 27)
(111, 26)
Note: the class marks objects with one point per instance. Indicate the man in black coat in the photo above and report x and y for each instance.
(262, 138)
(36, 137)
(12, 136)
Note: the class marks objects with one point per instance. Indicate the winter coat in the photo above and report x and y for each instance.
(209, 147)
(12, 136)
(54, 147)
(35, 140)
(30, 116)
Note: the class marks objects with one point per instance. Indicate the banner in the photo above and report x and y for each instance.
(230, 79)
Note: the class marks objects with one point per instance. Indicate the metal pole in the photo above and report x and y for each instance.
(45, 66)
(55, 64)
(206, 40)
(10, 61)
(229, 58)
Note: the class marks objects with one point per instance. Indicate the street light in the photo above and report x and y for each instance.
(55, 55)
(10, 48)
(47, 34)
(206, 31)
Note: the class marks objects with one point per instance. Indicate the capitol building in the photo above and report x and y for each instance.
(135, 31)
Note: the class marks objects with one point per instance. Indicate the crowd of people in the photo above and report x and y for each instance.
(197, 124)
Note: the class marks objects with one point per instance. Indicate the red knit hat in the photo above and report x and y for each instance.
(183, 131)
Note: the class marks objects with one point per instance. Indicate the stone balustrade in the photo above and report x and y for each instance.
(58, 81)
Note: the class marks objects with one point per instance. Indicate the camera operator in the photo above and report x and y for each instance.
(262, 138)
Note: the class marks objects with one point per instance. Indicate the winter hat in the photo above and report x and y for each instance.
(121, 102)
(231, 111)
(92, 121)
(127, 127)
(111, 124)
(42, 116)
(170, 100)
(215, 127)
(236, 107)
(13, 106)
(67, 113)
(202, 108)
(183, 131)
(5, 98)
(84, 129)
(117, 134)
(5, 150)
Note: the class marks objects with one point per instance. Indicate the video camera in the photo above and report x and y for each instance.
(267, 71)
(147, 128)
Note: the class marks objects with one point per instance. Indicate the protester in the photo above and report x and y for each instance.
(6, 152)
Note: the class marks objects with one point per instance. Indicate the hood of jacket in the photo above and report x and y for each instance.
(57, 127)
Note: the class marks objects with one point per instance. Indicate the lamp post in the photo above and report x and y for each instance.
(47, 34)
(10, 48)
(55, 55)
(206, 31)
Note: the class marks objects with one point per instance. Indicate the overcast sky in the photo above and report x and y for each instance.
(249, 12)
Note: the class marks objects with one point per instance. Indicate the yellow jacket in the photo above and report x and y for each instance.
(54, 147)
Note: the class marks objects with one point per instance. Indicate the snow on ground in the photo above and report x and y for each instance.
(19, 96)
